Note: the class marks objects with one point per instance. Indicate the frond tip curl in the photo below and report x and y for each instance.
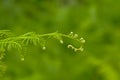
(19, 42)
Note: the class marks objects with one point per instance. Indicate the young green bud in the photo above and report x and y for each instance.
(44, 48)
(22, 59)
(75, 36)
(71, 32)
(81, 49)
(61, 41)
(82, 40)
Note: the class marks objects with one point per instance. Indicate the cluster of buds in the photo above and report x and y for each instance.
(73, 35)
(81, 40)
(76, 49)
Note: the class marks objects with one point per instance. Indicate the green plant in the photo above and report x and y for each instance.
(9, 41)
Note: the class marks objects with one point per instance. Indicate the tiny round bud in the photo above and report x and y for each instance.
(22, 59)
(61, 41)
(81, 49)
(44, 48)
(71, 32)
(76, 35)
(82, 40)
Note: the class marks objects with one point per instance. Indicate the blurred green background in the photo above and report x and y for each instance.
(98, 21)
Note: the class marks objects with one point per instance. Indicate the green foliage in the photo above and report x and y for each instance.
(98, 21)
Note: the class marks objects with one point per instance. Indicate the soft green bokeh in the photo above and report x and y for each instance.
(98, 21)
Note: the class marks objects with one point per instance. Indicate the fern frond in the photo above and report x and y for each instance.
(9, 45)
(18, 42)
(33, 38)
(30, 38)
(5, 34)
